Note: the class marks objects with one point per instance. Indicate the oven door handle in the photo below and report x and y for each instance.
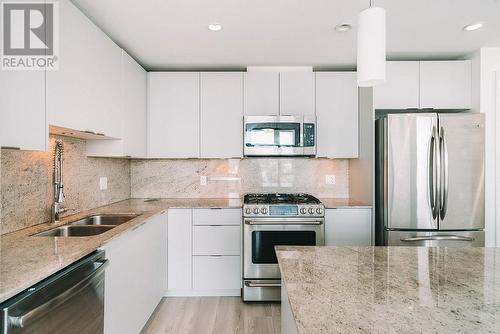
(281, 222)
(263, 285)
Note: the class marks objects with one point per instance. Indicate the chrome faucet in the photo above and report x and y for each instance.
(58, 182)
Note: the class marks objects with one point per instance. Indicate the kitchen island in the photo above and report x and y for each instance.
(390, 290)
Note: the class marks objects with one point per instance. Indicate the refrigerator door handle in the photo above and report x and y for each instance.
(433, 174)
(438, 237)
(443, 152)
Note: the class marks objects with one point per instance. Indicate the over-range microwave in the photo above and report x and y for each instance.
(279, 136)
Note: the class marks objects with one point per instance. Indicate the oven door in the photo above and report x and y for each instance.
(262, 234)
(273, 135)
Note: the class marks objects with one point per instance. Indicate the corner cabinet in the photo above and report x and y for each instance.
(136, 276)
(173, 114)
(131, 122)
(337, 114)
(348, 227)
(221, 114)
(204, 252)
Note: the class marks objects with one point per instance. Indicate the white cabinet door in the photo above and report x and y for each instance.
(337, 114)
(297, 93)
(216, 216)
(136, 276)
(216, 273)
(348, 227)
(134, 114)
(216, 240)
(445, 84)
(179, 249)
(401, 90)
(85, 92)
(221, 115)
(134, 97)
(22, 110)
(173, 114)
(261, 94)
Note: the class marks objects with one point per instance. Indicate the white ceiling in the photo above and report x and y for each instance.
(173, 34)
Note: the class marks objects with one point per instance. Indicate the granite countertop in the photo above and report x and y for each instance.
(392, 289)
(339, 203)
(26, 260)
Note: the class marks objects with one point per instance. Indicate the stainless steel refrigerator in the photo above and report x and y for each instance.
(430, 179)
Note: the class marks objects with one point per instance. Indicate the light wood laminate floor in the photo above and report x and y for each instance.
(217, 315)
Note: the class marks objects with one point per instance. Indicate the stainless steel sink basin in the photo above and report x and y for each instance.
(88, 226)
(110, 220)
(74, 231)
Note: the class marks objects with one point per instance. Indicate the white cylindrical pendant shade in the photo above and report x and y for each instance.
(371, 47)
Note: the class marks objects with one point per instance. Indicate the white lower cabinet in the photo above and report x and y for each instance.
(348, 227)
(136, 276)
(216, 273)
(204, 252)
(179, 250)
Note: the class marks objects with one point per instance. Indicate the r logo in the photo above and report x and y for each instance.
(28, 29)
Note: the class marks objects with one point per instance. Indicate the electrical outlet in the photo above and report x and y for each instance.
(103, 183)
(329, 179)
(203, 180)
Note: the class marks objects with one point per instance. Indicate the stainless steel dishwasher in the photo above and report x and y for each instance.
(70, 301)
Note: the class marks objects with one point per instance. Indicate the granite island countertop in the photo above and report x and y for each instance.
(392, 289)
(26, 259)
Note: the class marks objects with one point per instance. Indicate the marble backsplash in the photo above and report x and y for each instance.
(26, 183)
(235, 177)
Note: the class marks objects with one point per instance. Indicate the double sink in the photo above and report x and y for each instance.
(88, 226)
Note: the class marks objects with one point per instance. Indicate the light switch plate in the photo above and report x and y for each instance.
(203, 180)
(103, 183)
(329, 179)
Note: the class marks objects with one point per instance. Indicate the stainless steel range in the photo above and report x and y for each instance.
(270, 220)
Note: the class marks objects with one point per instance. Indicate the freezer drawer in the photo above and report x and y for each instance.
(435, 239)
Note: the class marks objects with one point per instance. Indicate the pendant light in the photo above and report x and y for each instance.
(371, 47)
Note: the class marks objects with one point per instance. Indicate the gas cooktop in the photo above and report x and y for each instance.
(291, 205)
(280, 199)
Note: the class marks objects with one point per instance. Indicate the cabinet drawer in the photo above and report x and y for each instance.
(216, 272)
(216, 216)
(216, 240)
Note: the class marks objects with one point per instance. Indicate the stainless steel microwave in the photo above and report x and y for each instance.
(280, 136)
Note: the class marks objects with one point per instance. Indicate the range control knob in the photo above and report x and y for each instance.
(311, 211)
(263, 211)
(303, 211)
(256, 211)
(248, 211)
(319, 211)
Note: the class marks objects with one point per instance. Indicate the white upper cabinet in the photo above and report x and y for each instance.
(297, 93)
(261, 95)
(337, 114)
(401, 90)
(134, 97)
(132, 122)
(85, 92)
(425, 84)
(445, 84)
(22, 110)
(221, 114)
(174, 114)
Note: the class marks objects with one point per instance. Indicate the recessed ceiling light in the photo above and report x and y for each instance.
(214, 27)
(473, 26)
(344, 27)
